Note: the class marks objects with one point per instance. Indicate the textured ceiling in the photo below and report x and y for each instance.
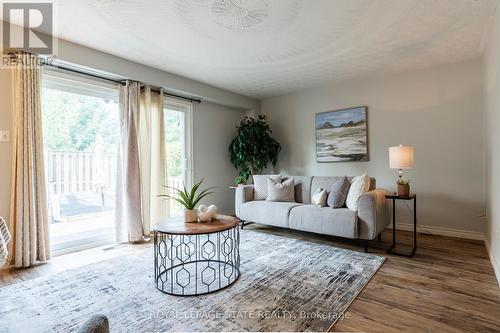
(264, 48)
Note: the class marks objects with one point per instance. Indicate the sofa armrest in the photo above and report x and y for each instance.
(373, 214)
(244, 193)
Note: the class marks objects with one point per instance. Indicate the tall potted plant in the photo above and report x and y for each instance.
(188, 199)
(253, 148)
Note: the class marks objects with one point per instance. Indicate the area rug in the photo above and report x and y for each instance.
(285, 285)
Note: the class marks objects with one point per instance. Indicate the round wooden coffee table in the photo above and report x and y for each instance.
(196, 258)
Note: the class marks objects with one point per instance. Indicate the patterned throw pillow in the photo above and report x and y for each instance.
(260, 185)
(338, 193)
(359, 185)
(319, 197)
(280, 191)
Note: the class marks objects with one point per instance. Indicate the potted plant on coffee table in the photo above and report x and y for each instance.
(188, 199)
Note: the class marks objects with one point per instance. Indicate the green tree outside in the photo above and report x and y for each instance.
(72, 122)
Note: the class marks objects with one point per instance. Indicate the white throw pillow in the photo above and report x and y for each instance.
(280, 191)
(260, 185)
(319, 197)
(359, 185)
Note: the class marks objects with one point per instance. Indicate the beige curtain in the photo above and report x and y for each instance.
(152, 158)
(141, 163)
(128, 221)
(28, 220)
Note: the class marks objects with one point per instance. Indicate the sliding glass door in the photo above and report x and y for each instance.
(80, 133)
(178, 141)
(80, 119)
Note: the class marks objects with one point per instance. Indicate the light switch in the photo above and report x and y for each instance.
(4, 136)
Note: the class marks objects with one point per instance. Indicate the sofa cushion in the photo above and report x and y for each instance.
(359, 185)
(302, 186)
(280, 191)
(319, 197)
(340, 222)
(327, 182)
(260, 185)
(323, 182)
(338, 193)
(265, 212)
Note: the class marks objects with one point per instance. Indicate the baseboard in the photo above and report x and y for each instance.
(457, 233)
(496, 268)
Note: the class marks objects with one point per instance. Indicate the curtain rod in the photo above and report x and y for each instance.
(122, 82)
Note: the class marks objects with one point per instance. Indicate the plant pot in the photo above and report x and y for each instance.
(190, 216)
(404, 190)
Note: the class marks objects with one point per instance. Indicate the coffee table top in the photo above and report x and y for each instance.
(177, 226)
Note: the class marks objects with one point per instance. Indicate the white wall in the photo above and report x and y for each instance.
(492, 121)
(214, 128)
(437, 110)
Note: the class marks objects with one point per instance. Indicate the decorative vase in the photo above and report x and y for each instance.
(190, 215)
(404, 190)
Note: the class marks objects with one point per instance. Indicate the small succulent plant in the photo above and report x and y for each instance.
(188, 198)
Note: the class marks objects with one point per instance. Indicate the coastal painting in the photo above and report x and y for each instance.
(342, 136)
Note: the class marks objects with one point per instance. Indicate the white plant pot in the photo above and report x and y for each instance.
(190, 216)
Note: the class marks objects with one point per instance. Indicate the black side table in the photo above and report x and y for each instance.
(395, 197)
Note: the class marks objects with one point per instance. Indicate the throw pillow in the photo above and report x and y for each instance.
(280, 191)
(338, 193)
(359, 185)
(319, 197)
(260, 185)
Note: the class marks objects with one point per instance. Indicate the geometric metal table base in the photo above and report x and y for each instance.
(189, 265)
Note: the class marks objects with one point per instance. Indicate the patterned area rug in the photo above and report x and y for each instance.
(285, 285)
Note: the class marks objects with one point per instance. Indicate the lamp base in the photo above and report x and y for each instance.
(403, 190)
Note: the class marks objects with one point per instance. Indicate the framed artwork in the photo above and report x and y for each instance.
(342, 135)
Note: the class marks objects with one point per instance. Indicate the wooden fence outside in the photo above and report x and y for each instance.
(70, 172)
(75, 171)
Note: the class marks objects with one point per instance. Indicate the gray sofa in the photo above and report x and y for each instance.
(371, 218)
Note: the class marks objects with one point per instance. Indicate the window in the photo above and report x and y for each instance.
(80, 133)
(178, 119)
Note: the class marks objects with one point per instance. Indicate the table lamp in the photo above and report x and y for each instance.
(401, 157)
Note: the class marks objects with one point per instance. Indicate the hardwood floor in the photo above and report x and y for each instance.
(449, 286)
(68, 261)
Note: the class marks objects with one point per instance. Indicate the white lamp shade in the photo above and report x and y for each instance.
(401, 157)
